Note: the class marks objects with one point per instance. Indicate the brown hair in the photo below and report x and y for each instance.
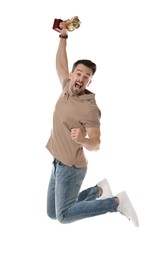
(87, 63)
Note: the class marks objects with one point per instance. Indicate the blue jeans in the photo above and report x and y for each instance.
(66, 203)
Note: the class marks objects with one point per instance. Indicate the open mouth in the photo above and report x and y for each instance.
(78, 86)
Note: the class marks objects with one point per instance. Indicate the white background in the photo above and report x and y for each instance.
(128, 41)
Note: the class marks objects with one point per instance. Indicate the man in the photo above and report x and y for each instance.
(76, 125)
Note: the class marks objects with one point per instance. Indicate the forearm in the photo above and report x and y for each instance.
(90, 145)
(61, 58)
(91, 142)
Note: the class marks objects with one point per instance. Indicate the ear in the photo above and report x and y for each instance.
(70, 74)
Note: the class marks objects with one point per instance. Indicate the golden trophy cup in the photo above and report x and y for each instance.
(71, 24)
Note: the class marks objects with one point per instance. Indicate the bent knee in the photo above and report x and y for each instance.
(62, 219)
(51, 215)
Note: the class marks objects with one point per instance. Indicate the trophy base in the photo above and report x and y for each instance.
(56, 25)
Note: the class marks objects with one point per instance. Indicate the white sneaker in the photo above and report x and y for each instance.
(104, 185)
(125, 207)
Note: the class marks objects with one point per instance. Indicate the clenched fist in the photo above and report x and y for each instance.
(77, 135)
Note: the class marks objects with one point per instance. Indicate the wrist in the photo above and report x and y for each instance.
(63, 36)
(83, 141)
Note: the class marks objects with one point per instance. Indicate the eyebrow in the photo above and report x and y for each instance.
(82, 71)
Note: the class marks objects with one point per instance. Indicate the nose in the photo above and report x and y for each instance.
(80, 79)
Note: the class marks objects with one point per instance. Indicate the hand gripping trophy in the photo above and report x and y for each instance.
(71, 24)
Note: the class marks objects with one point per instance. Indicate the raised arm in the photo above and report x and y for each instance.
(61, 57)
